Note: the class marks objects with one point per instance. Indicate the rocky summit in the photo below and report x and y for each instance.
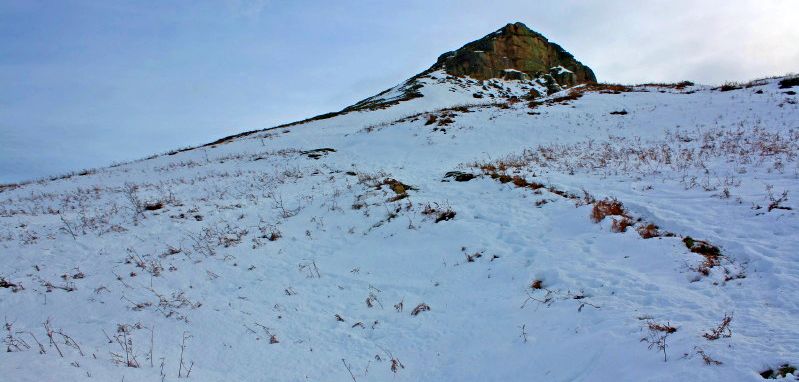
(515, 52)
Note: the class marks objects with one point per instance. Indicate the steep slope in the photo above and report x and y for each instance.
(443, 237)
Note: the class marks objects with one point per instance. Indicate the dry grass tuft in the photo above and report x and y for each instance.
(720, 331)
(419, 309)
(440, 213)
(710, 252)
(666, 328)
(607, 207)
(649, 231)
(621, 225)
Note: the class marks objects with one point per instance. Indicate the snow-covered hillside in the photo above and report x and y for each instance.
(447, 237)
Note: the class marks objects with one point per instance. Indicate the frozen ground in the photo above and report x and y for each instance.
(265, 258)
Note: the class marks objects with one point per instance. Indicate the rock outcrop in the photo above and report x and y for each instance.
(515, 52)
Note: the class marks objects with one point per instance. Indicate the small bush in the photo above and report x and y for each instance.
(620, 225)
(648, 231)
(603, 208)
(441, 214)
(702, 247)
(445, 215)
(398, 187)
(729, 86)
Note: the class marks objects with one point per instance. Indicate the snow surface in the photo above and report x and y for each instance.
(258, 242)
(560, 69)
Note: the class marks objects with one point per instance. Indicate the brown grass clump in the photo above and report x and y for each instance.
(604, 88)
(621, 225)
(446, 121)
(710, 252)
(502, 178)
(729, 86)
(603, 208)
(488, 168)
(722, 330)
(571, 96)
(398, 187)
(445, 215)
(648, 231)
(441, 214)
(518, 181)
(665, 328)
(677, 86)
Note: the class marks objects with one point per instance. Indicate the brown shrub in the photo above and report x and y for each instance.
(729, 86)
(398, 187)
(620, 225)
(648, 231)
(701, 247)
(504, 178)
(603, 208)
(446, 121)
(518, 181)
(488, 168)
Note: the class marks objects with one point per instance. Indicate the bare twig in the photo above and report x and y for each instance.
(349, 369)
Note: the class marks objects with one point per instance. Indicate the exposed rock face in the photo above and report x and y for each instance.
(515, 52)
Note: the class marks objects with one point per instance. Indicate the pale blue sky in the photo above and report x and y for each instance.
(87, 83)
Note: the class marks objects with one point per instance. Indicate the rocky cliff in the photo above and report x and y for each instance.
(515, 52)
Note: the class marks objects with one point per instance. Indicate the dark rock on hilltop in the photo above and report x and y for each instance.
(515, 52)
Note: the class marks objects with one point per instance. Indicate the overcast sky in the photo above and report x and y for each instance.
(87, 83)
